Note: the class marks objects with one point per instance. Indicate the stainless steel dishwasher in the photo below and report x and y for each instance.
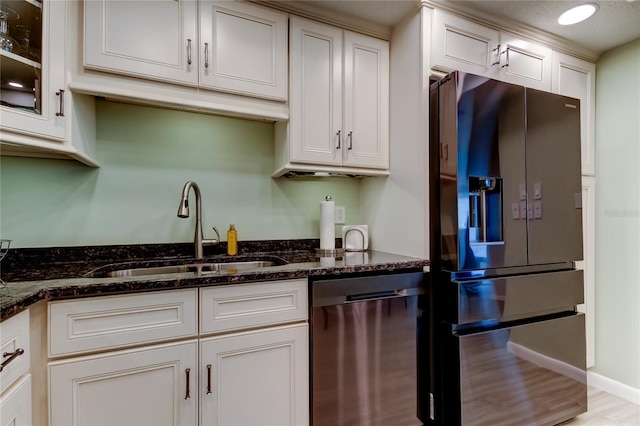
(363, 337)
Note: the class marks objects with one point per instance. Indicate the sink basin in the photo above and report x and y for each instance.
(198, 268)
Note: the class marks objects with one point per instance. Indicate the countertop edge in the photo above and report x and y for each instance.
(25, 294)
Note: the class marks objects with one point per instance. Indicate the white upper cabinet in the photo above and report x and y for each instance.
(524, 62)
(459, 44)
(339, 103)
(463, 45)
(155, 40)
(36, 108)
(243, 49)
(39, 115)
(225, 46)
(316, 93)
(366, 102)
(577, 78)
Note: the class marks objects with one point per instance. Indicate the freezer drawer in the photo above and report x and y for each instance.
(523, 375)
(513, 297)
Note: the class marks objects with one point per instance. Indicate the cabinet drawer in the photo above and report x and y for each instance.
(15, 343)
(227, 308)
(77, 326)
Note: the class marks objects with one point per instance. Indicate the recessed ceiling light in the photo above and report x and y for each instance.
(14, 84)
(577, 14)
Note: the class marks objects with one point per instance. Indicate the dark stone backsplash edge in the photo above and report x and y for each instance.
(110, 253)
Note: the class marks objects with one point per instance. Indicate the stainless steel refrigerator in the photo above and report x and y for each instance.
(500, 339)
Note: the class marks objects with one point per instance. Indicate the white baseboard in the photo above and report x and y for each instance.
(615, 388)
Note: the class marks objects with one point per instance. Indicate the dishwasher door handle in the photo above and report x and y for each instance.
(386, 294)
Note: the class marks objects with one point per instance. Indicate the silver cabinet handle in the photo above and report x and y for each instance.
(206, 55)
(506, 63)
(339, 137)
(189, 51)
(188, 395)
(350, 140)
(60, 93)
(12, 356)
(497, 50)
(208, 379)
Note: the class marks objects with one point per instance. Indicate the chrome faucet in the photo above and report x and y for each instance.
(183, 211)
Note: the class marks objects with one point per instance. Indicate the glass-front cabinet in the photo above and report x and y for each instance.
(32, 70)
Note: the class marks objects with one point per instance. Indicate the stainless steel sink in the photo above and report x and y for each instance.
(198, 268)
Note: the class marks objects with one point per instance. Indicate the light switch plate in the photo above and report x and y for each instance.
(341, 215)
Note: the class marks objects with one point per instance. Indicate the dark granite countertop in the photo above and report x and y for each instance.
(31, 275)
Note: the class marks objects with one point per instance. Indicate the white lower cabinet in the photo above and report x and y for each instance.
(15, 377)
(148, 386)
(245, 364)
(15, 380)
(255, 378)
(15, 404)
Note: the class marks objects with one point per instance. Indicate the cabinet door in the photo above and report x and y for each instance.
(366, 102)
(149, 39)
(148, 386)
(15, 404)
(37, 107)
(577, 78)
(315, 107)
(459, 44)
(243, 49)
(255, 378)
(524, 62)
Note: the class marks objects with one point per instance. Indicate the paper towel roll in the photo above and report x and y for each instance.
(327, 224)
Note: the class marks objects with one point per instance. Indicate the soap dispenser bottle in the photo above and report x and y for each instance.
(232, 240)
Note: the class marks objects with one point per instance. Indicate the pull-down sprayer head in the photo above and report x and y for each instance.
(183, 208)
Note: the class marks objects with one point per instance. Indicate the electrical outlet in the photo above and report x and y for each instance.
(341, 215)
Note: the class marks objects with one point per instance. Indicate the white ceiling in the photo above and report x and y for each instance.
(616, 22)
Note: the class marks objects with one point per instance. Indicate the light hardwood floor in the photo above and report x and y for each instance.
(605, 409)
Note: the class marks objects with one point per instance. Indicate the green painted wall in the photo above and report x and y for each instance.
(617, 304)
(146, 156)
